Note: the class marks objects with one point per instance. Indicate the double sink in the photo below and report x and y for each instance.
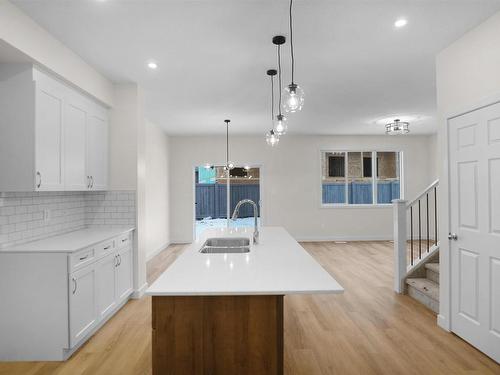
(222, 245)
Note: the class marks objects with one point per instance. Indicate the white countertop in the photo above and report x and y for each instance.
(68, 242)
(277, 265)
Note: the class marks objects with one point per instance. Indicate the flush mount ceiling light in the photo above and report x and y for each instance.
(229, 165)
(152, 65)
(294, 95)
(397, 127)
(400, 22)
(281, 126)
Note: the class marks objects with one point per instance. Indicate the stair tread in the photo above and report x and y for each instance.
(433, 267)
(426, 286)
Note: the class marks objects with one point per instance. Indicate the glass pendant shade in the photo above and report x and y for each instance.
(272, 138)
(293, 98)
(281, 125)
(229, 166)
(397, 127)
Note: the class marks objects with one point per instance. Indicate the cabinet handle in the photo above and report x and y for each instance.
(119, 260)
(74, 285)
(107, 247)
(125, 240)
(92, 179)
(88, 182)
(85, 257)
(116, 260)
(39, 175)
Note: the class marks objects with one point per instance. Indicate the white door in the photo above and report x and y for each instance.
(97, 151)
(75, 116)
(124, 274)
(474, 147)
(82, 303)
(106, 281)
(48, 137)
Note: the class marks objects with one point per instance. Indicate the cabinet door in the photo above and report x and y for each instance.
(124, 274)
(48, 137)
(97, 151)
(82, 303)
(75, 126)
(106, 285)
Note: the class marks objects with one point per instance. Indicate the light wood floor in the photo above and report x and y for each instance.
(367, 330)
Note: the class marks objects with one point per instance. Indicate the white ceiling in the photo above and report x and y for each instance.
(354, 66)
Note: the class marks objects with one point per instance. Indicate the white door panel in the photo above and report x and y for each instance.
(474, 149)
(75, 116)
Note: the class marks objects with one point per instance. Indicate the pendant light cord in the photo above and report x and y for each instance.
(272, 100)
(291, 40)
(279, 76)
(227, 145)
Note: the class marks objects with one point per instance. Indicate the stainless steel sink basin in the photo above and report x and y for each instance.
(226, 245)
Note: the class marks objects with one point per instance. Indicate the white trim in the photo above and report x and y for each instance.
(343, 238)
(154, 253)
(353, 205)
(443, 323)
(137, 294)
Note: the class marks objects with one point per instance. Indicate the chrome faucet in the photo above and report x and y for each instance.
(255, 215)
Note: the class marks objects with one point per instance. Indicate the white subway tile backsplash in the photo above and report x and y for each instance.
(22, 214)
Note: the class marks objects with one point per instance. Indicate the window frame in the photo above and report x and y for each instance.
(402, 184)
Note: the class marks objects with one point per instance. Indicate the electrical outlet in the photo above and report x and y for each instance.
(46, 214)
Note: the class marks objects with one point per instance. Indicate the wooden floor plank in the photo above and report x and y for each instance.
(367, 330)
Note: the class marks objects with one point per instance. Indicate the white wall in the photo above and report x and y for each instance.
(157, 190)
(467, 76)
(24, 34)
(291, 182)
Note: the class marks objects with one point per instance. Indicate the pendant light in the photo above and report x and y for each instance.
(229, 165)
(293, 93)
(271, 137)
(281, 122)
(397, 127)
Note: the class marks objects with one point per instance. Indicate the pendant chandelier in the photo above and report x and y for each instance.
(281, 121)
(271, 137)
(397, 127)
(293, 93)
(229, 165)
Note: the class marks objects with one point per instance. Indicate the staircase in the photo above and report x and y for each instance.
(416, 248)
(426, 289)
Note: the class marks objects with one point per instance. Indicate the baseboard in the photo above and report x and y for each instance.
(343, 238)
(443, 323)
(154, 253)
(137, 294)
(180, 242)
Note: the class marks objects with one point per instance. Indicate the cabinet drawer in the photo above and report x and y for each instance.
(105, 248)
(81, 259)
(124, 240)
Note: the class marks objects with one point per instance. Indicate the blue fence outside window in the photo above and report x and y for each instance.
(360, 192)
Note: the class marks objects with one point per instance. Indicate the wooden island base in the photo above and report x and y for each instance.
(217, 335)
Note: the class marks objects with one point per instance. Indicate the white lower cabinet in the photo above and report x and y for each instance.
(124, 273)
(106, 293)
(82, 303)
(97, 289)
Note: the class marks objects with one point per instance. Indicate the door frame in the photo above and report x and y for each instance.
(193, 192)
(445, 315)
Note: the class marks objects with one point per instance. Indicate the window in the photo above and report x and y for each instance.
(360, 177)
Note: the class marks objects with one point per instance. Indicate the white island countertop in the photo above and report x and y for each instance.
(68, 242)
(277, 265)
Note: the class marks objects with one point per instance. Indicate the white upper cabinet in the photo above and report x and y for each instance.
(52, 137)
(75, 126)
(97, 150)
(49, 101)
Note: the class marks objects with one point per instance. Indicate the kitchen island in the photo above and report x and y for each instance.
(222, 313)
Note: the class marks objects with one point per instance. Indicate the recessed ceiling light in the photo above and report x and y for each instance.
(152, 65)
(401, 22)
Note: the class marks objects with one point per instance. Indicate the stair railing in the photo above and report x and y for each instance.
(415, 232)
